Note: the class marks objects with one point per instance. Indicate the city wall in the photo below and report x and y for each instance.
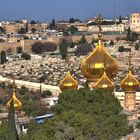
(26, 44)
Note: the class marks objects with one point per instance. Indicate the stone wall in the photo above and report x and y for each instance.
(26, 44)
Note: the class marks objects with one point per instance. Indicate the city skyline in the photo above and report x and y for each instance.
(47, 10)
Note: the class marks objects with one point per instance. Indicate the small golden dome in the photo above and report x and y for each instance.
(130, 83)
(105, 83)
(17, 103)
(93, 66)
(68, 82)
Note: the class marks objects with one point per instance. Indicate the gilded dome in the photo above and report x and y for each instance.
(17, 103)
(68, 82)
(93, 66)
(130, 83)
(105, 83)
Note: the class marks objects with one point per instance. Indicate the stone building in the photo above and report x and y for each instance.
(134, 22)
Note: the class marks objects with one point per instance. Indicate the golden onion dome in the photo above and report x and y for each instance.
(17, 103)
(93, 66)
(130, 83)
(68, 82)
(105, 83)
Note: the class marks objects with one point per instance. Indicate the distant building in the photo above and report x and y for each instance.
(13, 28)
(134, 22)
(37, 27)
(125, 20)
(108, 28)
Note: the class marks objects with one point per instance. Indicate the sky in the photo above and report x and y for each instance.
(46, 10)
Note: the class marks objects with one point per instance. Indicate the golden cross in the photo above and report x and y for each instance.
(68, 61)
(129, 57)
(99, 21)
(13, 84)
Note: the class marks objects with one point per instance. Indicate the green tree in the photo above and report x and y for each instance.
(46, 94)
(33, 30)
(23, 90)
(19, 49)
(121, 49)
(52, 24)
(2, 30)
(26, 37)
(129, 34)
(26, 56)
(120, 19)
(22, 30)
(83, 40)
(32, 107)
(84, 115)
(40, 47)
(11, 132)
(3, 131)
(137, 46)
(134, 36)
(63, 48)
(2, 40)
(83, 49)
(3, 57)
(73, 29)
(111, 43)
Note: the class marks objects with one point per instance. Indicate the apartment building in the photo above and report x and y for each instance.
(134, 22)
(13, 27)
(37, 27)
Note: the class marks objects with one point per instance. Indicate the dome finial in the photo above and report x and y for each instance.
(130, 83)
(16, 101)
(129, 57)
(99, 21)
(68, 61)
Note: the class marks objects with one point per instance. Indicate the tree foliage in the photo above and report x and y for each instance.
(84, 115)
(19, 49)
(40, 47)
(52, 24)
(63, 48)
(83, 40)
(83, 49)
(22, 30)
(121, 49)
(26, 56)
(137, 46)
(3, 57)
(33, 30)
(120, 19)
(73, 29)
(2, 30)
(11, 130)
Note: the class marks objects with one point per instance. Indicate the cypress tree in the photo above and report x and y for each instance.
(83, 40)
(12, 132)
(63, 48)
(129, 34)
(3, 57)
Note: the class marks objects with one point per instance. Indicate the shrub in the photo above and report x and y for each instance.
(26, 56)
(83, 49)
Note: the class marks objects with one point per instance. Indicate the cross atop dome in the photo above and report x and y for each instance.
(99, 21)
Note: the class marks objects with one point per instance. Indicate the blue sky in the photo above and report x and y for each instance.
(45, 10)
